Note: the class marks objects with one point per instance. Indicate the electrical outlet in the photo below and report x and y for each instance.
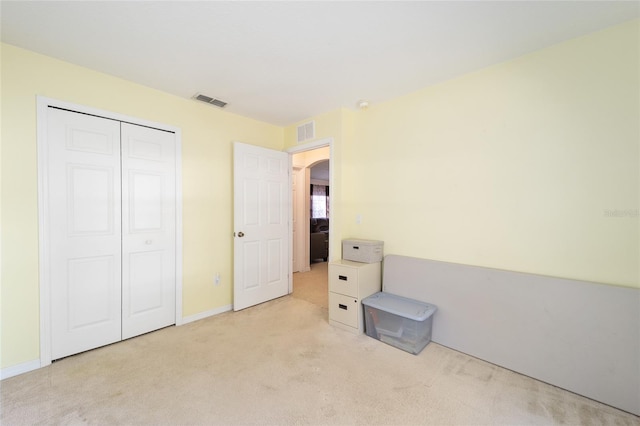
(216, 279)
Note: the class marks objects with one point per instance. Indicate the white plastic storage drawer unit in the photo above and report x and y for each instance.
(398, 321)
(349, 283)
(366, 251)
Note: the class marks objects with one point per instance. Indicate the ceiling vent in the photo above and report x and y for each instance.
(210, 100)
(306, 131)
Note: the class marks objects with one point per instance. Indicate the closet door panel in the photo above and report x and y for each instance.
(148, 225)
(83, 177)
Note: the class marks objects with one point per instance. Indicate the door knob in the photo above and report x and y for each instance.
(240, 234)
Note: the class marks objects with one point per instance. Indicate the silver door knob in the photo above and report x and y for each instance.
(240, 234)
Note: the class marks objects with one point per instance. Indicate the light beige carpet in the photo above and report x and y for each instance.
(312, 286)
(281, 363)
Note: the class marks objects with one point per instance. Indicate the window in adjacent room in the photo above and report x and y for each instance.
(319, 201)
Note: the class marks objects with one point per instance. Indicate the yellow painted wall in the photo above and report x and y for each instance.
(207, 135)
(309, 158)
(530, 165)
(334, 125)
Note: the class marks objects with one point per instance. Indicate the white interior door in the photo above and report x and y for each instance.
(85, 228)
(148, 229)
(261, 213)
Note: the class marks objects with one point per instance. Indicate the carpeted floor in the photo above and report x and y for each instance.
(313, 286)
(281, 363)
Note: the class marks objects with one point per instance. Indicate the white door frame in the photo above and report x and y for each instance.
(297, 226)
(43, 105)
(321, 143)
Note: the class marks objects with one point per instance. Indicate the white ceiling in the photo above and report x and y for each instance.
(282, 62)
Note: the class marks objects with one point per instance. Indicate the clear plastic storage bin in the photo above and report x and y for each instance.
(398, 321)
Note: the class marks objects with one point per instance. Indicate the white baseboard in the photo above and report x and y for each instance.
(25, 367)
(206, 314)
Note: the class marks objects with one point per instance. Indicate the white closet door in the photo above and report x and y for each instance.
(85, 230)
(148, 229)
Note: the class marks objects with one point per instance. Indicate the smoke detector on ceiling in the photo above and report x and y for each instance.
(210, 100)
(363, 104)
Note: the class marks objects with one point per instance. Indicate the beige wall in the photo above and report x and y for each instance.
(309, 158)
(529, 165)
(512, 167)
(207, 135)
(333, 125)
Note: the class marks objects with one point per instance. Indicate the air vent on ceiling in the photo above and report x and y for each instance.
(306, 131)
(210, 100)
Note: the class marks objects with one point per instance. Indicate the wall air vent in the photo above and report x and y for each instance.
(210, 100)
(306, 131)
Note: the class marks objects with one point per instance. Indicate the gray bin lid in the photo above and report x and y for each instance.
(398, 305)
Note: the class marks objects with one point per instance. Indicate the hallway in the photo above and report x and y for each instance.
(312, 286)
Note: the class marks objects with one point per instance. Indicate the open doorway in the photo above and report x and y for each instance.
(311, 224)
(320, 206)
(311, 199)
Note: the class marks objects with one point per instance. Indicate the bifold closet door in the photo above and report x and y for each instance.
(111, 214)
(148, 229)
(85, 231)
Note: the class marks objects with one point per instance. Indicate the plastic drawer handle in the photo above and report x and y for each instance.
(342, 277)
(341, 306)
